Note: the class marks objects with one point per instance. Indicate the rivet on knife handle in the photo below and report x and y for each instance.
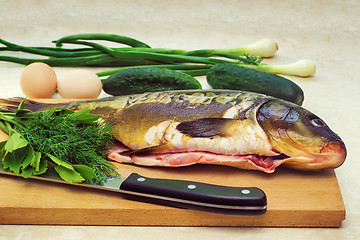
(195, 195)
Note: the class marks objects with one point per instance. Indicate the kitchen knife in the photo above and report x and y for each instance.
(178, 193)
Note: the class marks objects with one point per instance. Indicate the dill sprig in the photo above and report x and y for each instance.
(62, 134)
(74, 143)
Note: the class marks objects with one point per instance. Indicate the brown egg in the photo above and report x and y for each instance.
(38, 80)
(79, 84)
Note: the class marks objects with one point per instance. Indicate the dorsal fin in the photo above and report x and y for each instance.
(205, 127)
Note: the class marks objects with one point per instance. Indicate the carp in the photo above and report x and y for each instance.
(233, 128)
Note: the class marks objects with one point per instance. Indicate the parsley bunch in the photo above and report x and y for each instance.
(75, 144)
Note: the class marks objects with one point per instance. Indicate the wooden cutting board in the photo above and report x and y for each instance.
(295, 199)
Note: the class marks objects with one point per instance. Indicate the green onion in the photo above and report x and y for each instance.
(138, 53)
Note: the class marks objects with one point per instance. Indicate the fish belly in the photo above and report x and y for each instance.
(183, 159)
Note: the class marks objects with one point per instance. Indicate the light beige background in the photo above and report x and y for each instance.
(327, 31)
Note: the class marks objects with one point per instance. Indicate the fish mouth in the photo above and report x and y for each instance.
(334, 153)
(331, 156)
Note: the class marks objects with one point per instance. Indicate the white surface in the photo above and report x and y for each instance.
(327, 31)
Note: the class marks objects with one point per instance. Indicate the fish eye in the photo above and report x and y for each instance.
(317, 122)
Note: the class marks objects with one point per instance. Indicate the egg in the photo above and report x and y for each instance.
(79, 84)
(38, 80)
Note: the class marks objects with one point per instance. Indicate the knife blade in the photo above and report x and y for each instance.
(178, 193)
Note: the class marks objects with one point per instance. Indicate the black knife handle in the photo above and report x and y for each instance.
(195, 195)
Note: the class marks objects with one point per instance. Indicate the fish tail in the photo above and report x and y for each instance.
(11, 104)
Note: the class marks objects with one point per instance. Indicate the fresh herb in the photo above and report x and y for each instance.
(75, 144)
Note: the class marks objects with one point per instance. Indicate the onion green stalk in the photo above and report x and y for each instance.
(102, 36)
(51, 52)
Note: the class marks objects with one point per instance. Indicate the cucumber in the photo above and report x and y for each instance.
(235, 77)
(148, 79)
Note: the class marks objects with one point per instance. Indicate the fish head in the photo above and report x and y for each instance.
(305, 139)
